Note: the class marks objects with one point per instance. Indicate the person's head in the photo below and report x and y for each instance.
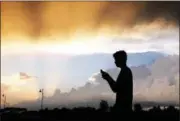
(120, 58)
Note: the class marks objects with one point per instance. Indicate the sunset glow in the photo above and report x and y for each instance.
(40, 38)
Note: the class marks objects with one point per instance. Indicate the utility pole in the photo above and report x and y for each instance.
(42, 97)
(4, 100)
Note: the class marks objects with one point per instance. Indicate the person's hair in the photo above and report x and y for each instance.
(120, 55)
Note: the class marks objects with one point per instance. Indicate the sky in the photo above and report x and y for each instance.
(31, 32)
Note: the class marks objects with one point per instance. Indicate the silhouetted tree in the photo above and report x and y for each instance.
(137, 108)
(103, 106)
(171, 108)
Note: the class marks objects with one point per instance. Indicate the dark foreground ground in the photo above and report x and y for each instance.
(89, 114)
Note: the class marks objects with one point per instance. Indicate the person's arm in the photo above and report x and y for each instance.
(109, 79)
(112, 84)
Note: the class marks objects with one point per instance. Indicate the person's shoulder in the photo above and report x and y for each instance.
(128, 70)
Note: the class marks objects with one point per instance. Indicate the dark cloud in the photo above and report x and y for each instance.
(168, 10)
(131, 13)
(38, 19)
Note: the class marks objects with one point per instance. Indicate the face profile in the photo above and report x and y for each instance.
(120, 58)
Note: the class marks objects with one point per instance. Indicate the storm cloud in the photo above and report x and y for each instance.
(44, 19)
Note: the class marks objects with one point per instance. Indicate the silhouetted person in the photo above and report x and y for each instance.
(123, 86)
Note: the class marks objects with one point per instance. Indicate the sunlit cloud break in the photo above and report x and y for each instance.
(165, 40)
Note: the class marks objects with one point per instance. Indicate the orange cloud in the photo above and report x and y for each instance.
(59, 21)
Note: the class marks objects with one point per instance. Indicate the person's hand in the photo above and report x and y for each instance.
(105, 75)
